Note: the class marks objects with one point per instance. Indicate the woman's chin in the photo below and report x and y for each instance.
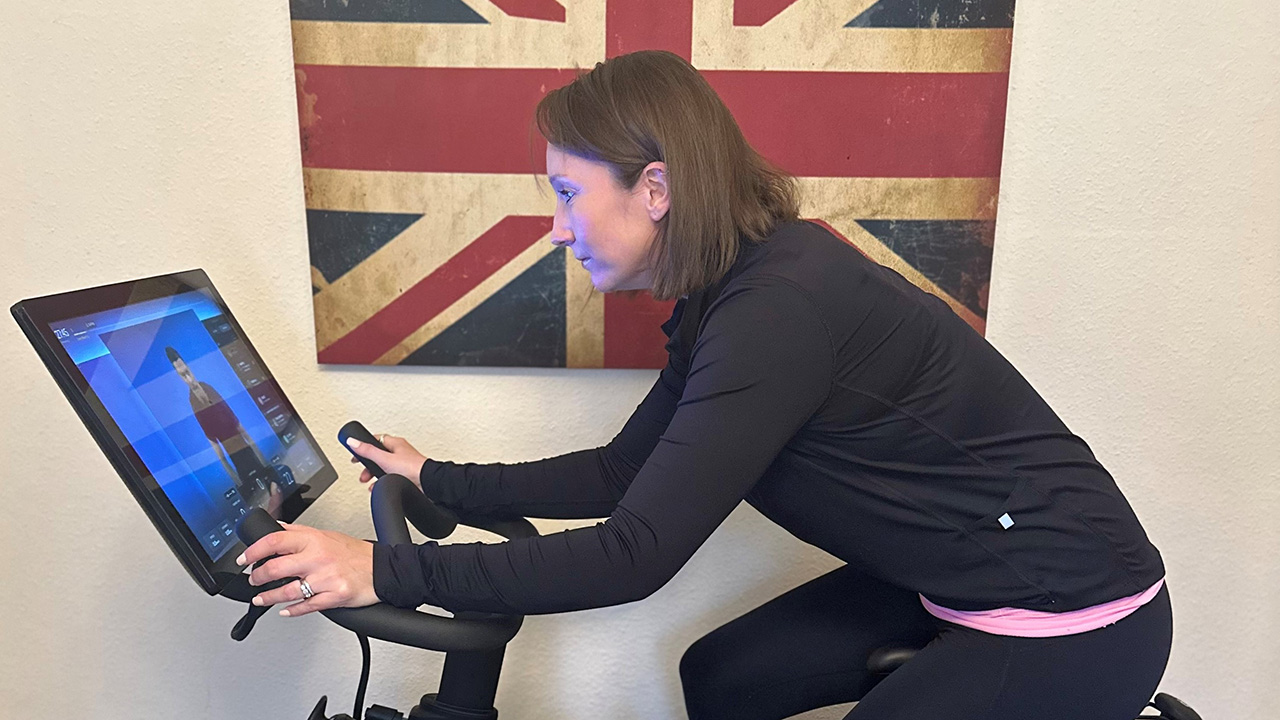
(603, 282)
(610, 284)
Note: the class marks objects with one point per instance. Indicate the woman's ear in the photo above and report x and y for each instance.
(657, 192)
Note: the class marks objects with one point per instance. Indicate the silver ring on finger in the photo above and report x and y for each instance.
(382, 438)
(307, 592)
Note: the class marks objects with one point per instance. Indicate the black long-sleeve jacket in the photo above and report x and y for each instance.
(846, 405)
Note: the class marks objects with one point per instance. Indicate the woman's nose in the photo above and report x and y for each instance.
(560, 235)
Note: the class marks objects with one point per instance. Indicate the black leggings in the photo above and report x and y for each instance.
(808, 648)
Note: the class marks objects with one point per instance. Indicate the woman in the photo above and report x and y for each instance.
(845, 404)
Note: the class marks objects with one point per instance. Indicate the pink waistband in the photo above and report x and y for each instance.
(1036, 623)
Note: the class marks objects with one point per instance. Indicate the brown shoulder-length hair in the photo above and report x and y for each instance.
(651, 106)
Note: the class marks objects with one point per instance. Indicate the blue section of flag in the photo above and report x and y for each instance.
(406, 11)
(936, 14)
(341, 240)
(954, 254)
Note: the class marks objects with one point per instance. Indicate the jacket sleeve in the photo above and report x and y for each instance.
(761, 367)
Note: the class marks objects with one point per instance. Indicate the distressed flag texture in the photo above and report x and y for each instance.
(428, 225)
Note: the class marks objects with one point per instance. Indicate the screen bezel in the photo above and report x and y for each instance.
(36, 315)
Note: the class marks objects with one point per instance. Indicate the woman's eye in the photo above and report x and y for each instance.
(567, 195)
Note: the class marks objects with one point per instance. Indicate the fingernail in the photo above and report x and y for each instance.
(240, 560)
(285, 612)
(353, 443)
(257, 600)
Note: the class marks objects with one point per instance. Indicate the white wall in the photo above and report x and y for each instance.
(1137, 285)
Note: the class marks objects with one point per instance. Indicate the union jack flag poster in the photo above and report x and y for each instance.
(427, 222)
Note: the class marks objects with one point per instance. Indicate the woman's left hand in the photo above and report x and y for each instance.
(338, 568)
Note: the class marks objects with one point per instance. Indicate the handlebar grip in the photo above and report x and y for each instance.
(395, 499)
(251, 528)
(355, 429)
(256, 525)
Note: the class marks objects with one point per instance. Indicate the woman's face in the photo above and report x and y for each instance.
(608, 228)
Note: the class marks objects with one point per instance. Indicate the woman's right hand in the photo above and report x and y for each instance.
(402, 458)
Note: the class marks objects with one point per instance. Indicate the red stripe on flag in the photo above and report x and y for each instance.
(649, 25)
(633, 330)
(423, 119)
(834, 124)
(813, 124)
(431, 295)
(532, 9)
(758, 12)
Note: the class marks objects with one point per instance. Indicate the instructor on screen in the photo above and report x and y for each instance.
(235, 448)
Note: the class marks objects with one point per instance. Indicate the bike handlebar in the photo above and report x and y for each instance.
(396, 501)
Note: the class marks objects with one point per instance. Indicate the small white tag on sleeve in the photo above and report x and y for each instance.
(1006, 522)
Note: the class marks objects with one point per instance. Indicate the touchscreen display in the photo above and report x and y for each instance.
(196, 407)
